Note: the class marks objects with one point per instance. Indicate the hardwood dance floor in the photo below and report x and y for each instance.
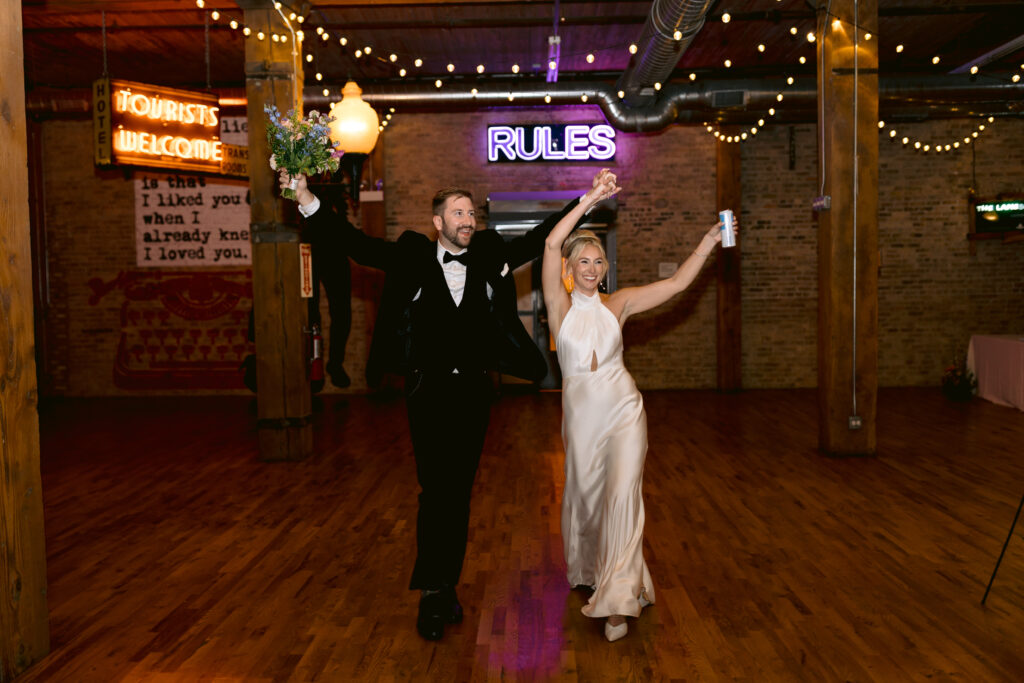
(174, 554)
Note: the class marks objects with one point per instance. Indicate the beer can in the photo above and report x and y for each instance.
(728, 233)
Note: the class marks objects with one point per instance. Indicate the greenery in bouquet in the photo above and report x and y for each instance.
(959, 383)
(301, 145)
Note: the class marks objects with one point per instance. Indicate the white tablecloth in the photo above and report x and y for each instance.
(998, 363)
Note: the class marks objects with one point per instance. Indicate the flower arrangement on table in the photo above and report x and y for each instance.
(958, 382)
(300, 145)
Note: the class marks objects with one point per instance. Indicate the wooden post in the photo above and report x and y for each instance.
(24, 629)
(729, 323)
(273, 76)
(848, 230)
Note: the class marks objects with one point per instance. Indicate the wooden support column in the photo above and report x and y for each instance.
(848, 230)
(729, 349)
(24, 629)
(273, 76)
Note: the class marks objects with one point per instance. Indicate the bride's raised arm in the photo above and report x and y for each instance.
(556, 299)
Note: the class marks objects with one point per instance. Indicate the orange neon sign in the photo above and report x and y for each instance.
(161, 127)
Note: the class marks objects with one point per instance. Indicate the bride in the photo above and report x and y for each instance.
(604, 427)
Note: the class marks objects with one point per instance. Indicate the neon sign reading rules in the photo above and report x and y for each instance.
(572, 142)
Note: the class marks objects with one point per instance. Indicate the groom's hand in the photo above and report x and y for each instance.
(302, 194)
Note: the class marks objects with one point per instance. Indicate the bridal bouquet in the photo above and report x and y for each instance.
(300, 145)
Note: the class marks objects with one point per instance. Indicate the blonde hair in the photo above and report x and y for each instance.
(576, 242)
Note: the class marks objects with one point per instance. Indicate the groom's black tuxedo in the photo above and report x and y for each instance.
(402, 346)
(445, 351)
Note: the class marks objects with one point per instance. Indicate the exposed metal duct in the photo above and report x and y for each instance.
(658, 50)
(740, 101)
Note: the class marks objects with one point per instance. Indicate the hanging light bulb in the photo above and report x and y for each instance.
(437, 83)
(760, 48)
(726, 17)
(583, 97)
(547, 99)
(803, 60)
(678, 35)
(479, 68)
(515, 68)
(728, 63)
(233, 24)
(899, 48)
(343, 40)
(355, 122)
(418, 63)
(215, 15)
(451, 68)
(401, 73)
(309, 58)
(590, 58)
(632, 48)
(393, 57)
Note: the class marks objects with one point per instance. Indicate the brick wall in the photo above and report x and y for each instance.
(933, 291)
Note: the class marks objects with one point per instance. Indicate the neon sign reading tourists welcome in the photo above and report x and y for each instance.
(148, 125)
(572, 142)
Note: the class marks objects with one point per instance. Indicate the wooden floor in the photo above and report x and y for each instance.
(174, 554)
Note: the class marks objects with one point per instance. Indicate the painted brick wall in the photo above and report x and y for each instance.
(934, 292)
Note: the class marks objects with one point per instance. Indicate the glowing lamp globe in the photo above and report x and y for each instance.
(355, 122)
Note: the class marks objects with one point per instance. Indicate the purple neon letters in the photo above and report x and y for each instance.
(577, 142)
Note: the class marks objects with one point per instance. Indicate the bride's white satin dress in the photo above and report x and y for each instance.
(604, 429)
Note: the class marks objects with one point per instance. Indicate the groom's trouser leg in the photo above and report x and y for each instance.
(448, 416)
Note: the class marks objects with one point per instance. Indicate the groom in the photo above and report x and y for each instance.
(447, 316)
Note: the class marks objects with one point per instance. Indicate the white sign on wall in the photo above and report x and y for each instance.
(188, 220)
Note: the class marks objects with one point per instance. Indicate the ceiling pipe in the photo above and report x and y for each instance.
(726, 101)
(658, 50)
(739, 101)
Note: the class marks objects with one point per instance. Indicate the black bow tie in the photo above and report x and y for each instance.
(462, 258)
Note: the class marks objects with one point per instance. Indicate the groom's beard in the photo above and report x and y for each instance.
(455, 234)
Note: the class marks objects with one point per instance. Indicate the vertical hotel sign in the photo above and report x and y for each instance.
(147, 125)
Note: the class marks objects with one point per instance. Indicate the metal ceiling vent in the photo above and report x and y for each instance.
(723, 99)
(658, 50)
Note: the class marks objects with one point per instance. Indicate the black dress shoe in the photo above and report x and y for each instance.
(453, 615)
(432, 616)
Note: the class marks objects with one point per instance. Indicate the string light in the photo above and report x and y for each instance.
(418, 63)
(726, 17)
(215, 15)
(583, 97)
(451, 68)
(678, 35)
(437, 83)
(590, 59)
(393, 57)
(935, 59)
(760, 48)
(632, 48)
(899, 48)
(515, 68)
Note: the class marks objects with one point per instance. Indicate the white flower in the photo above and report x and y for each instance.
(273, 162)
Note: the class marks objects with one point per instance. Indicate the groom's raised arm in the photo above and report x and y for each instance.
(531, 245)
(340, 239)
